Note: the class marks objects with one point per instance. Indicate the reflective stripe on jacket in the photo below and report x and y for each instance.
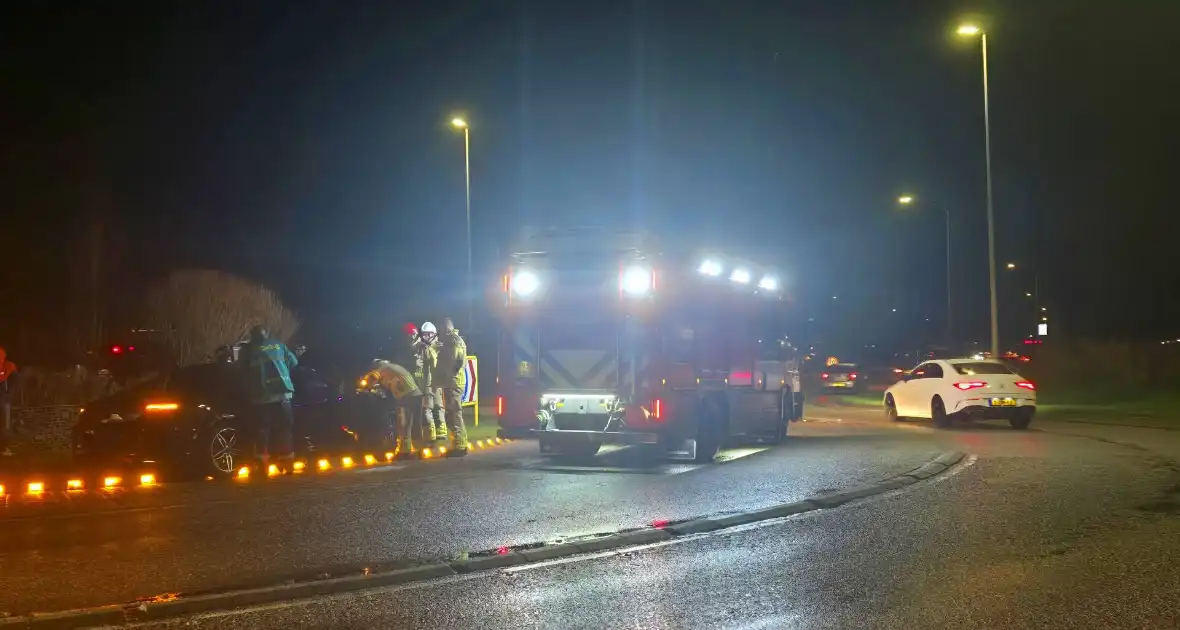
(268, 366)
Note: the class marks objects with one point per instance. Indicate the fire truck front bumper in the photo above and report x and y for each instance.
(558, 436)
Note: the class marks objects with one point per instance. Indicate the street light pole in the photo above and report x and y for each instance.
(971, 30)
(991, 224)
(462, 124)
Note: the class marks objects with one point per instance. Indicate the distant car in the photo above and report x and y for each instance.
(844, 377)
(195, 421)
(949, 389)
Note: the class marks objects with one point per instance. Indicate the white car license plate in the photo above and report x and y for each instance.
(1003, 402)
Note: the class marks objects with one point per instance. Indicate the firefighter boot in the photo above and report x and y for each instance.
(405, 448)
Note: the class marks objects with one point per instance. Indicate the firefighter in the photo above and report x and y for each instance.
(267, 364)
(400, 384)
(452, 355)
(431, 394)
(407, 354)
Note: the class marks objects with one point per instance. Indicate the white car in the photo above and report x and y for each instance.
(947, 389)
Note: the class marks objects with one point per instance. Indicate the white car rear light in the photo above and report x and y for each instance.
(970, 385)
(1026, 385)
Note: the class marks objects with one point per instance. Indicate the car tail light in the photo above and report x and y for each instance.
(852, 376)
(499, 405)
(657, 409)
(824, 376)
(1026, 385)
(970, 385)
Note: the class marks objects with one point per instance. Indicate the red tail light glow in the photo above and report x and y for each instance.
(499, 405)
(1026, 385)
(853, 375)
(824, 375)
(970, 385)
(657, 409)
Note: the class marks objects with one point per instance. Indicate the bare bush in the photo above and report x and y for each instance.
(196, 311)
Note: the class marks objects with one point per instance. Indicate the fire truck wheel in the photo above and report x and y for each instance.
(711, 429)
(786, 410)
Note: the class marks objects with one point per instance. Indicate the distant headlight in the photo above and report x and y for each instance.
(637, 280)
(710, 268)
(525, 283)
(740, 276)
(768, 283)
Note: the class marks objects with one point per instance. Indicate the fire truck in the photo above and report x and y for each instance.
(607, 338)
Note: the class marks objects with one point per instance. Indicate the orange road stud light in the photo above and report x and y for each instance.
(74, 484)
(147, 480)
(323, 464)
(244, 472)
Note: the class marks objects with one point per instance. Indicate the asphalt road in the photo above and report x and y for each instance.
(1068, 526)
(216, 536)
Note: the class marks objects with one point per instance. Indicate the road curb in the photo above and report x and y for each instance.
(173, 606)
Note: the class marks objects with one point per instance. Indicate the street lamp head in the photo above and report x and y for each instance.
(905, 200)
(1011, 265)
(458, 123)
(969, 30)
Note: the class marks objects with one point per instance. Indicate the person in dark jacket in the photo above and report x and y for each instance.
(267, 363)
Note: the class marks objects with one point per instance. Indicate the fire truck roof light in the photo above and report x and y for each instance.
(710, 267)
(768, 283)
(741, 276)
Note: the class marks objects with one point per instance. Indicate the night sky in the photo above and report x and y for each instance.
(307, 145)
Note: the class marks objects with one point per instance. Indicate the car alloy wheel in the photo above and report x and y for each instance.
(223, 450)
(938, 414)
(891, 410)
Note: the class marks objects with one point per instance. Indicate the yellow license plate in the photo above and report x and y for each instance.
(1003, 402)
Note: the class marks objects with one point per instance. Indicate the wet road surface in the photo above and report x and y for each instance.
(216, 536)
(1063, 527)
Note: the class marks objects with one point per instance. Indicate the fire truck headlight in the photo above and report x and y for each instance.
(740, 276)
(637, 281)
(710, 267)
(525, 283)
(768, 283)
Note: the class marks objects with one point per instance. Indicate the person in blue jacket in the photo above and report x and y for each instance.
(268, 364)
